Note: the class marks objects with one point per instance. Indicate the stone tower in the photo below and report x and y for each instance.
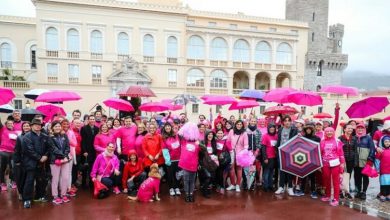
(325, 62)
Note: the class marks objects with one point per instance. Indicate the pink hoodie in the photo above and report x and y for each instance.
(242, 141)
(102, 168)
(331, 148)
(189, 156)
(8, 139)
(101, 142)
(269, 142)
(173, 146)
(127, 136)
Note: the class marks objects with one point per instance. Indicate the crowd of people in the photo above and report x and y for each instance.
(133, 155)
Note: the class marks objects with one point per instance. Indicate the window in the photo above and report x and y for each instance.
(312, 37)
(253, 28)
(96, 71)
(263, 52)
(73, 71)
(18, 104)
(52, 39)
(284, 54)
(33, 59)
(195, 108)
(319, 68)
(195, 78)
(314, 16)
(191, 22)
(212, 24)
(172, 47)
(218, 108)
(52, 70)
(262, 109)
(241, 51)
(123, 44)
(219, 49)
(196, 48)
(172, 77)
(218, 79)
(241, 111)
(73, 40)
(320, 109)
(6, 55)
(148, 47)
(272, 29)
(96, 42)
(294, 31)
(233, 26)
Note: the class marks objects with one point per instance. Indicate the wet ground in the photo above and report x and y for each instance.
(232, 205)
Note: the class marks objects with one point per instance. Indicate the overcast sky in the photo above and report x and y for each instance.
(367, 24)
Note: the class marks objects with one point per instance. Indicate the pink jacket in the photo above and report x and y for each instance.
(148, 188)
(242, 141)
(127, 136)
(384, 157)
(189, 156)
(8, 139)
(173, 145)
(331, 148)
(102, 168)
(101, 141)
(269, 142)
(72, 138)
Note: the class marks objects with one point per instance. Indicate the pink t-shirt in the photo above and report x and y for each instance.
(189, 156)
(8, 139)
(101, 141)
(269, 141)
(173, 146)
(127, 136)
(148, 188)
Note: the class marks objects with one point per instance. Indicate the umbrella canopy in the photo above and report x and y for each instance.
(300, 156)
(172, 107)
(58, 96)
(243, 104)
(34, 93)
(282, 109)
(252, 94)
(119, 104)
(219, 100)
(341, 90)
(278, 95)
(137, 91)
(205, 97)
(184, 99)
(322, 115)
(305, 98)
(29, 113)
(367, 107)
(50, 110)
(154, 107)
(6, 95)
(7, 108)
(387, 118)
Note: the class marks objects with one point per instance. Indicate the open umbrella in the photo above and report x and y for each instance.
(300, 156)
(219, 100)
(34, 93)
(322, 115)
(50, 110)
(6, 95)
(154, 107)
(172, 107)
(387, 118)
(243, 104)
(7, 108)
(119, 104)
(252, 94)
(184, 99)
(205, 97)
(137, 91)
(341, 90)
(58, 96)
(367, 107)
(305, 98)
(29, 113)
(278, 95)
(280, 109)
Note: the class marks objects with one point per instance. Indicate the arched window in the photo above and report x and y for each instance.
(241, 51)
(52, 39)
(73, 40)
(196, 48)
(148, 45)
(219, 49)
(123, 44)
(6, 55)
(284, 54)
(96, 42)
(172, 47)
(263, 52)
(218, 79)
(195, 78)
(33, 53)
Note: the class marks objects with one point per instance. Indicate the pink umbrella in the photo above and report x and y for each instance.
(219, 100)
(58, 96)
(341, 90)
(304, 98)
(387, 118)
(119, 104)
(172, 107)
(50, 110)
(205, 97)
(367, 107)
(280, 109)
(6, 95)
(154, 107)
(137, 91)
(278, 95)
(243, 104)
(322, 115)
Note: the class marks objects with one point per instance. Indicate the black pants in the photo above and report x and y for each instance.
(312, 178)
(385, 190)
(5, 160)
(285, 178)
(171, 173)
(86, 166)
(349, 166)
(358, 180)
(19, 176)
(205, 178)
(75, 169)
(38, 175)
(136, 183)
(111, 181)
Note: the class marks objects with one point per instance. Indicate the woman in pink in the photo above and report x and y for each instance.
(150, 188)
(102, 139)
(239, 140)
(141, 132)
(116, 125)
(72, 144)
(269, 155)
(8, 138)
(333, 165)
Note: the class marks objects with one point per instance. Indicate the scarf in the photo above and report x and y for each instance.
(252, 128)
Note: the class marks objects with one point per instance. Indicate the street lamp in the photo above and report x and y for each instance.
(28, 104)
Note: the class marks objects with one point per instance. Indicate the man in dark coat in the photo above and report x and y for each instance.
(88, 133)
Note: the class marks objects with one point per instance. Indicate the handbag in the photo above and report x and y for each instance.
(224, 159)
(100, 191)
(209, 163)
(369, 171)
(345, 182)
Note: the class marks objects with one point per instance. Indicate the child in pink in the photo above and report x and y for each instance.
(333, 165)
(150, 187)
(383, 155)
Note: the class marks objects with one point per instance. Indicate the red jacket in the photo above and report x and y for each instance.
(131, 170)
(152, 145)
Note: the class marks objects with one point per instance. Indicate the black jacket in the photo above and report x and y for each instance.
(349, 148)
(87, 139)
(33, 148)
(293, 132)
(58, 150)
(18, 156)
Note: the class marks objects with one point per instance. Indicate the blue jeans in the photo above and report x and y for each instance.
(268, 173)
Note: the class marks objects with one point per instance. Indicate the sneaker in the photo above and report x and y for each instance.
(13, 185)
(65, 199)
(4, 187)
(27, 204)
(116, 190)
(348, 196)
(71, 193)
(314, 195)
(177, 191)
(57, 201)
(299, 193)
(42, 199)
(279, 191)
(325, 199)
(171, 192)
(230, 188)
(382, 198)
(238, 188)
(334, 202)
(290, 192)
(222, 191)
(363, 196)
(342, 195)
